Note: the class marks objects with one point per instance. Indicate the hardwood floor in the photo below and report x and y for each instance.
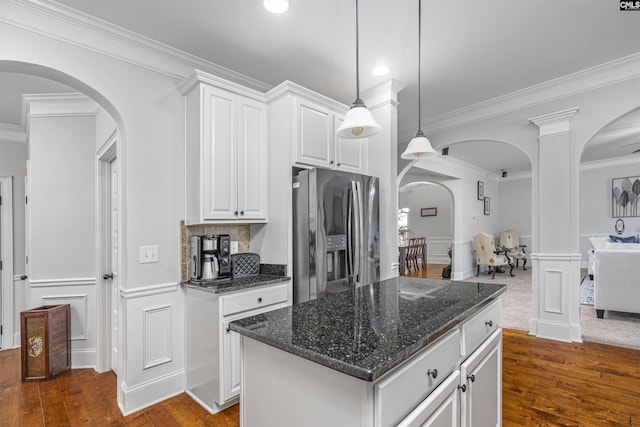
(546, 383)
(84, 397)
(433, 271)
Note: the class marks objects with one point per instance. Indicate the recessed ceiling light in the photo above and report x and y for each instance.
(276, 6)
(381, 70)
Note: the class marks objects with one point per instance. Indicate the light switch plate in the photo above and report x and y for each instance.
(148, 254)
(234, 247)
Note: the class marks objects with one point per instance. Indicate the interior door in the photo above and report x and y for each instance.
(113, 254)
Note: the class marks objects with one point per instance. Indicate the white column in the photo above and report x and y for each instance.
(556, 265)
(382, 101)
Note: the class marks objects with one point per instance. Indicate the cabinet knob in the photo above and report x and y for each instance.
(228, 328)
(259, 299)
(463, 387)
(339, 164)
(432, 373)
(241, 212)
(236, 213)
(108, 276)
(489, 323)
(331, 162)
(471, 377)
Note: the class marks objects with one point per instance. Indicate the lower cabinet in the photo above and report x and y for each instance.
(440, 408)
(213, 351)
(481, 385)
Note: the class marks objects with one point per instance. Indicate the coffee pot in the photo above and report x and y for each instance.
(210, 267)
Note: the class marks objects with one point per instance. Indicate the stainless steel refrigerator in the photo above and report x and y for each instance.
(336, 232)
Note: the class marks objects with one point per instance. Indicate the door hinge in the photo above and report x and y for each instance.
(26, 200)
(0, 329)
(0, 264)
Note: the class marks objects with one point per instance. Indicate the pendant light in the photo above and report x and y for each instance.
(358, 123)
(419, 147)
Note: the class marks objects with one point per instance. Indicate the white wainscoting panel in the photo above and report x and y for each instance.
(78, 305)
(437, 248)
(157, 336)
(553, 291)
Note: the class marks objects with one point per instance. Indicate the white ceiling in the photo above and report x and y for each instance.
(472, 50)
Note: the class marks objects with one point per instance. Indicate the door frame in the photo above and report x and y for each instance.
(6, 255)
(104, 156)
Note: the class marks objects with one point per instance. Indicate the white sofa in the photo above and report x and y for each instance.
(617, 278)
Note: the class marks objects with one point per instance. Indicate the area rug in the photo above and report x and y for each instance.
(586, 291)
(619, 329)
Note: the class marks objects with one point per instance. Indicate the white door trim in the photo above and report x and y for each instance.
(6, 255)
(104, 156)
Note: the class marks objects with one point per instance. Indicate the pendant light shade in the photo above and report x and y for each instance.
(419, 147)
(358, 123)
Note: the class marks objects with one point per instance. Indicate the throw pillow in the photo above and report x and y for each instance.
(619, 239)
(598, 242)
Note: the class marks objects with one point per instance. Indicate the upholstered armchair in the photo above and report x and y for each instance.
(486, 254)
(510, 240)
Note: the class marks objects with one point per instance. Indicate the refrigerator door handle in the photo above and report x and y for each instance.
(357, 197)
(350, 215)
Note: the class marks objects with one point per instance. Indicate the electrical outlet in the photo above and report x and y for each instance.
(148, 254)
(234, 247)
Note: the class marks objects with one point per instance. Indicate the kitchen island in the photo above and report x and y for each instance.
(402, 350)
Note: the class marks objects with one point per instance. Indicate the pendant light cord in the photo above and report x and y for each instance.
(419, 133)
(357, 57)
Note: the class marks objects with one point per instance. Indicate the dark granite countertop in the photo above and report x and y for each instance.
(237, 283)
(366, 332)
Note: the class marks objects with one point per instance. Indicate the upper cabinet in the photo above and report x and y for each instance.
(226, 151)
(313, 120)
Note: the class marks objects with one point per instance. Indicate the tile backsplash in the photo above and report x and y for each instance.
(238, 232)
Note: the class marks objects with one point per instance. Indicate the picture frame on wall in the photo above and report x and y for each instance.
(480, 190)
(625, 197)
(487, 206)
(429, 212)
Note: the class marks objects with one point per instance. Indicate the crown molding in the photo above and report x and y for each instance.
(198, 76)
(12, 133)
(615, 162)
(75, 28)
(59, 105)
(609, 73)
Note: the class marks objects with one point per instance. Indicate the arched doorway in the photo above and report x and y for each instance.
(80, 216)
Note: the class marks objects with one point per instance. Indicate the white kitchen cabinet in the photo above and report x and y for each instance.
(481, 385)
(226, 151)
(440, 409)
(314, 120)
(468, 357)
(213, 351)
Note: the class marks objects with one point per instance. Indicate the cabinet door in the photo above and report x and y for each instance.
(252, 160)
(440, 409)
(219, 157)
(314, 137)
(481, 376)
(230, 383)
(351, 154)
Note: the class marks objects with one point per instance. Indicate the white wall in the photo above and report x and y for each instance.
(437, 229)
(137, 85)
(13, 162)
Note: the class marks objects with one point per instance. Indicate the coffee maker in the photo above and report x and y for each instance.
(210, 258)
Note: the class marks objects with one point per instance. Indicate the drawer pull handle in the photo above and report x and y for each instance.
(432, 373)
(463, 387)
(489, 323)
(228, 328)
(259, 299)
(471, 377)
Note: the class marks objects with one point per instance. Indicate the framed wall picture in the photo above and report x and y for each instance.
(625, 197)
(487, 206)
(429, 212)
(480, 190)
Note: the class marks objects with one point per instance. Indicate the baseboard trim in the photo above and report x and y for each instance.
(149, 393)
(216, 408)
(83, 358)
(556, 331)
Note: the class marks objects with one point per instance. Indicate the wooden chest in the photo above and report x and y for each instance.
(46, 341)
